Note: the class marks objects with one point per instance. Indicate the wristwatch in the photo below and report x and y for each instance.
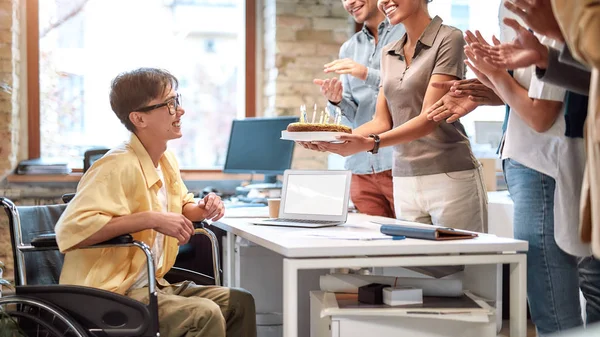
(375, 148)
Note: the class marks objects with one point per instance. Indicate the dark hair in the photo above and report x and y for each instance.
(134, 89)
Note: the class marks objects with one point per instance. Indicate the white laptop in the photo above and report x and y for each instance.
(312, 199)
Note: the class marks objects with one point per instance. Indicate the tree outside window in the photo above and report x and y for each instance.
(84, 44)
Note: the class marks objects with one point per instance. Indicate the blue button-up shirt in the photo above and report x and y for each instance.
(360, 97)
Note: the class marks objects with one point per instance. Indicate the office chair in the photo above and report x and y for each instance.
(42, 307)
(90, 156)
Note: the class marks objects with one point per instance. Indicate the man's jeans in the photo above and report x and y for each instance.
(552, 276)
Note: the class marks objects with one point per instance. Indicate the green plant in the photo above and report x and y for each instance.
(8, 327)
(5, 87)
(3, 282)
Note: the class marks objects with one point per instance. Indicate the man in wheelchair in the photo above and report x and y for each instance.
(137, 188)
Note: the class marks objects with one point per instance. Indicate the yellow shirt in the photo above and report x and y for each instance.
(122, 182)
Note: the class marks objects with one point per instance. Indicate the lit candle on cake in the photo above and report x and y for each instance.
(338, 115)
(321, 118)
(314, 113)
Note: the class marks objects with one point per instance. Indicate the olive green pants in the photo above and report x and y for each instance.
(190, 310)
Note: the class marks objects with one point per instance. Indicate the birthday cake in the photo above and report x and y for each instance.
(322, 125)
(317, 127)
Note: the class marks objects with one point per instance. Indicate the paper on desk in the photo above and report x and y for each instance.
(349, 283)
(479, 313)
(340, 234)
(379, 220)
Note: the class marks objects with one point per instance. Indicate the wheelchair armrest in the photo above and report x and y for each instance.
(48, 240)
(119, 240)
(45, 241)
(200, 224)
(177, 274)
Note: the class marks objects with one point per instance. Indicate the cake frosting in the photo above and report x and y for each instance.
(317, 127)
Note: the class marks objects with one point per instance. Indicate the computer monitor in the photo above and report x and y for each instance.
(255, 147)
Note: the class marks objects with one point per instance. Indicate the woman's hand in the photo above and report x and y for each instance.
(538, 15)
(478, 57)
(310, 145)
(450, 108)
(524, 51)
(351, 144)
(472, 88)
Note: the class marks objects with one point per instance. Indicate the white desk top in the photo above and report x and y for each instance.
(297, 242)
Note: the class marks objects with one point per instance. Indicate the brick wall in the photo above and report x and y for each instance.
(299, 37)
(9, 108)
(9, 85)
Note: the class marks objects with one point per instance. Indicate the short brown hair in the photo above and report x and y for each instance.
(134, 89)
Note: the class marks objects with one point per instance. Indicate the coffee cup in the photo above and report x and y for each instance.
(274, 207)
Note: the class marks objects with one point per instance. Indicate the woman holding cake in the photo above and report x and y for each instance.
(435, 175)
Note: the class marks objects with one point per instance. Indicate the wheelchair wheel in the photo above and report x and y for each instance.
(36, 318)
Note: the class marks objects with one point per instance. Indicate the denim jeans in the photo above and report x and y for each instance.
(589, 281)
(552, 274)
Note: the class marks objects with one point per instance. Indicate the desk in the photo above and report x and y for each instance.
(303, 253)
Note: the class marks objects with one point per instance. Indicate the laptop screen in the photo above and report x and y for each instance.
(316, 194)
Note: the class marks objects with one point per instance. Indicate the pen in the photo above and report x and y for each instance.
(398, 237)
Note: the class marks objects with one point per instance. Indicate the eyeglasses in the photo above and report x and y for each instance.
(172, 104)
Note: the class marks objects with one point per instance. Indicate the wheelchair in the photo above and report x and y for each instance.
(42, 307)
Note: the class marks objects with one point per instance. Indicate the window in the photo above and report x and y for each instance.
(460, 15)
(83, 44)
(482, 16)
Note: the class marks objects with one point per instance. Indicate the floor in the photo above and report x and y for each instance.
(505, 332)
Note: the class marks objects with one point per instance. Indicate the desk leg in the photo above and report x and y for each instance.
(290, 299)
(518, 297)
(230, 269)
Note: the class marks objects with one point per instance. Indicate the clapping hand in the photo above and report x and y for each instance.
(331, 88)
(462, 97)
(347, 66)
(524, 51)
(450, 108)
(538, 15)
(479, 58)
(472, 88)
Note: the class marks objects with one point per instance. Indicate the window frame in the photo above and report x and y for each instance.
(33, 71)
